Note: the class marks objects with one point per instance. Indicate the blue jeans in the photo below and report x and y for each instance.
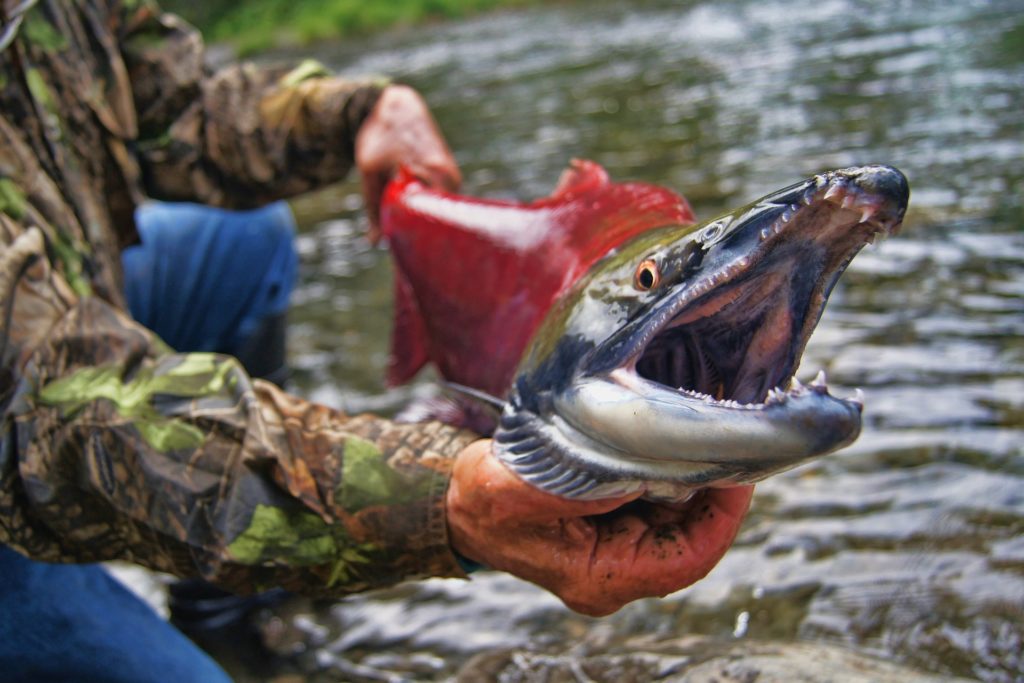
(207, 279)
(204, 280)
(75, 623)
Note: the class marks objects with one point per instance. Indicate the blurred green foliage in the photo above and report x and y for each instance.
(259, 24)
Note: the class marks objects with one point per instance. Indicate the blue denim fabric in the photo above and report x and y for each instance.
(75, 623)
(203, 278)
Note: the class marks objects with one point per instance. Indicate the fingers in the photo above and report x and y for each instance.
(646, 550)
(373, 189)
(442, 173)
(530, 503)
(675, 553)
(433, 164)
(400, 131)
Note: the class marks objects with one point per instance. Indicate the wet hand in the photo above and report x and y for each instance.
(400, 131)
(594, 555)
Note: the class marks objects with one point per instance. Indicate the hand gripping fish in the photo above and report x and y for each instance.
(631, 347)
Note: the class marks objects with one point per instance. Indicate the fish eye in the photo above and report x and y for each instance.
(647, 275)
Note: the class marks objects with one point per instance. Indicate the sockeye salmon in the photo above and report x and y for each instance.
(628, 346)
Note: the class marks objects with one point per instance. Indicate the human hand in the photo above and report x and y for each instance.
(595, 555)
(401, 132)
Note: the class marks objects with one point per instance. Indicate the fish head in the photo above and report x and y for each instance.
(669, 366)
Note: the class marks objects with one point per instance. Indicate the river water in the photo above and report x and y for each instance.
(908, 545)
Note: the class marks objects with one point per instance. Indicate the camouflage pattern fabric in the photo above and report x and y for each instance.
(113, 446)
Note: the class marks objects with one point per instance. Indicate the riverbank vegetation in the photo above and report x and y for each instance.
(260, 24)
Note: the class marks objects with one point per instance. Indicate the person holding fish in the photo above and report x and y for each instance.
(113, 446)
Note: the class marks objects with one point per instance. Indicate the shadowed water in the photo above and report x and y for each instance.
(907, 545)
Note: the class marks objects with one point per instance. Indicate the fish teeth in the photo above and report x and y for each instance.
(724, 402)
(867, 214)
(819, 383)
(834, 191)
(858, 397)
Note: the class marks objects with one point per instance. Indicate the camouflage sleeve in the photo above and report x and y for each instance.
(243, 135)
(114, 447)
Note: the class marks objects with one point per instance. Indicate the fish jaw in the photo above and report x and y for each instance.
(722, 442)
(683, 388)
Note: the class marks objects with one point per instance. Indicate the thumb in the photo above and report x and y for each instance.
(540, 506)
(373, 189)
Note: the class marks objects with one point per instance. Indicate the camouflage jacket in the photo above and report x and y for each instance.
(113, 446)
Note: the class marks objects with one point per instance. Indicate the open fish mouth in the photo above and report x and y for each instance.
(738, 344)
(697, 389)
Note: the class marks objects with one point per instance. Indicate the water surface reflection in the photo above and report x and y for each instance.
(907, 545)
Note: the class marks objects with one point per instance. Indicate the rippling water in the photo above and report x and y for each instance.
(907, 545)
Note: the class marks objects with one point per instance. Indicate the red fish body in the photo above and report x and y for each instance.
(474, 278)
